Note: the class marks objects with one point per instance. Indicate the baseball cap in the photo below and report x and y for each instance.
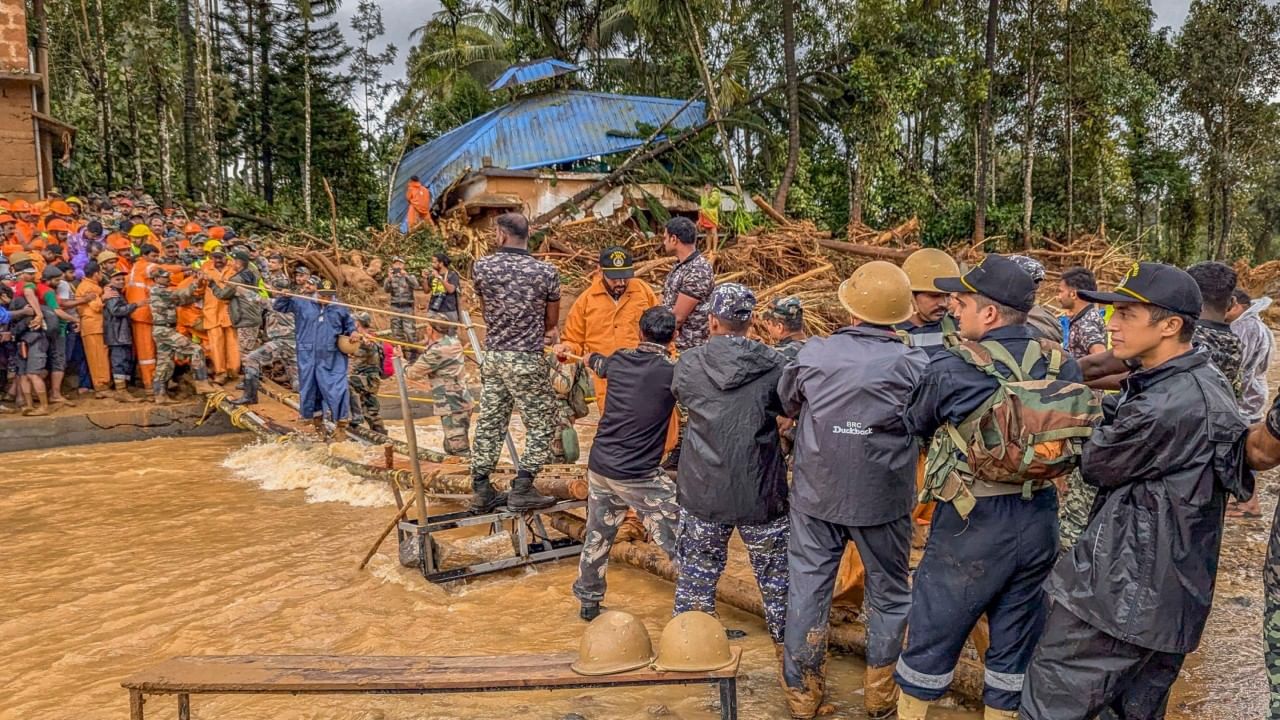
(616, 263)
(786, 308)
(241, 255)
(732, 301)
(997, 278)
(1154, 284)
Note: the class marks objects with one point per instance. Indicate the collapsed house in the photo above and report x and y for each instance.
(540, 149)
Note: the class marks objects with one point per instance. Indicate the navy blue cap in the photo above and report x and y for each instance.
(998, 278)
(1154, 284)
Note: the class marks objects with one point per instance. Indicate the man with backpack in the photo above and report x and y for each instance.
(366, 377)
(441, 364)
(1132, 598)
(994, 534)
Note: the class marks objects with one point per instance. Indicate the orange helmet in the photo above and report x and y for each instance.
(4, 205)
(217, 232)
(20, 206)
(41, 207)
(7, 218)
(192, 228)
(60, 208)
(57, 224)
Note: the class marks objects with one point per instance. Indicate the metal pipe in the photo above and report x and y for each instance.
(411, 439)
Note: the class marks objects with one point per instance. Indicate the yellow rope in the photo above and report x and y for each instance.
(433, 321)
(411, 398)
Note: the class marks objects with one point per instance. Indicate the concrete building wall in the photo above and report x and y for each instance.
(18, 168)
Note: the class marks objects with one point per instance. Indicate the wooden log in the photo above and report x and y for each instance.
(790, 282)
(560, 487)
(870, 251)
(849, 637)
(769, 210)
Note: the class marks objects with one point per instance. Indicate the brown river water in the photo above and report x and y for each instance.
(119, 556)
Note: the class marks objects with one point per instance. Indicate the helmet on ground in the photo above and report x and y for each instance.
(693, 642)
(926, 265)
(878, 292)
(614, 642)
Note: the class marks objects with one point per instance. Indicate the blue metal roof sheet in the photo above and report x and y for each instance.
(538, 131)
(532, 71)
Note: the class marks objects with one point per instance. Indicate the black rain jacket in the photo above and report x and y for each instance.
(1166, 454)
(731, 466)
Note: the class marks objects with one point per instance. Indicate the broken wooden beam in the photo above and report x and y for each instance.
(869, 251)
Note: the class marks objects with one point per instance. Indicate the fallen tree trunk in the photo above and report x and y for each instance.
(558, 486)
(850, 637)
(871, 251)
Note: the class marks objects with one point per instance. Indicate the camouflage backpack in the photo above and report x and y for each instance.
(1028, 432)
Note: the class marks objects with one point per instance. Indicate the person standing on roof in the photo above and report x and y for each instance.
(419, 198)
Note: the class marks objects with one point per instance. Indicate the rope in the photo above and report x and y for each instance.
(411, 398)
(322, 301)
(211, 403)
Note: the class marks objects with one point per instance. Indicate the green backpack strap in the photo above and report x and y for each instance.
(950, 331)
(978, 355)
(1002, 354)
(905, 337)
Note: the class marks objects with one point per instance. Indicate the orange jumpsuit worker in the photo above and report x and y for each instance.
(419, 199)
(224, 349)
(606, 316)
(137, 289)
(95, 347)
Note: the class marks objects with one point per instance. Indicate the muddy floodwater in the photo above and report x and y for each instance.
(119, 556)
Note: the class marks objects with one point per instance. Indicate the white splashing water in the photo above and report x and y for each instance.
(290, 466)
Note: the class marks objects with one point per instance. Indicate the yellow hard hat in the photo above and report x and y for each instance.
(926, 265)
(139, 230)
(879, 292)
(211, 245)
(614, 642)
(693, 642)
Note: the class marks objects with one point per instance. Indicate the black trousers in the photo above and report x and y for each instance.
(1079, 672)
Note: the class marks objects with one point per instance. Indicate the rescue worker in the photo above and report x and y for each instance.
(32, 334)
(930, 323)
(322, 368)
(442, 364)
(224, 349)
(521, 297)
(137, 290)
(784, 323)
(733, 475)
(419, 199)
(1217, 281)
(1086, 333)
(605, 318)
(117, 333)
(1263, 452)
(443, 282)
(400, 286)
(854, 481)
(967, 568)
(1132, 598)
(89, 292)
(244, 306)
(280, 347)
(169, 344)
(366, 377)
(686, 293)
(1257, 346)
(624, 470)
(1040, 318)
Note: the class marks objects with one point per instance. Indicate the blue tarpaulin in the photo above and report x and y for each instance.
(539, 131)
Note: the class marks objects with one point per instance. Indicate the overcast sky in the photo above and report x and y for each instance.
(402, 16)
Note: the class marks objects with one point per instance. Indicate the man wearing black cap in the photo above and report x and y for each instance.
(1132, 598)
(605, 318)
(969, 567)
(400, 286)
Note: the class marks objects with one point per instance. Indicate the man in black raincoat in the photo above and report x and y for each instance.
(1132, 598)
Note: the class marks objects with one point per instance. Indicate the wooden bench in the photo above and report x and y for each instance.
(391, 675)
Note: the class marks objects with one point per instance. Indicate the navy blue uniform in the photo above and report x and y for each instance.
(991, 563)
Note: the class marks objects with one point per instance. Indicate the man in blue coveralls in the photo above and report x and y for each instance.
(322, 368)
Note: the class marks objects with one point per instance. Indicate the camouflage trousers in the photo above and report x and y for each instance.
(654, 500)
(510, 380)
(702, 550)
(364, 400)
(455, 427)
(170, 344)
(249, 339)
(404, 329)
(1073, 511)
(1271, 612)
(282, 350)
(563, 419)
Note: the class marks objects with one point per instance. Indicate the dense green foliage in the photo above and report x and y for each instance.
(1099, 121)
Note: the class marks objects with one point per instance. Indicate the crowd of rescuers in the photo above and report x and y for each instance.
(1075, 531)
(1073, 470)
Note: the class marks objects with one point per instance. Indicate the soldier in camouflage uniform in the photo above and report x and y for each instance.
(169, 342)
(1263, 450)
(366, 378)
(442, 365)
(281, 345)
(784, 320)
(400, 286)
(521, 297)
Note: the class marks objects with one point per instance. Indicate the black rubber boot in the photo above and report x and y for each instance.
(524, 497)
(484, 498)
(378, 426)
(250, 395)
(590, 611)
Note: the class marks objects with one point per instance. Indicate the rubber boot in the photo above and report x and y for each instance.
(910, 708)
(880, 692)
(250, 395)
(484, 498)
(589, 611)
(376, 425)
(523, 497)
(991, 713)
(122, 393)
(340, 431)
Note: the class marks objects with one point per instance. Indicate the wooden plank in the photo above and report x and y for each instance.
(345, 674)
